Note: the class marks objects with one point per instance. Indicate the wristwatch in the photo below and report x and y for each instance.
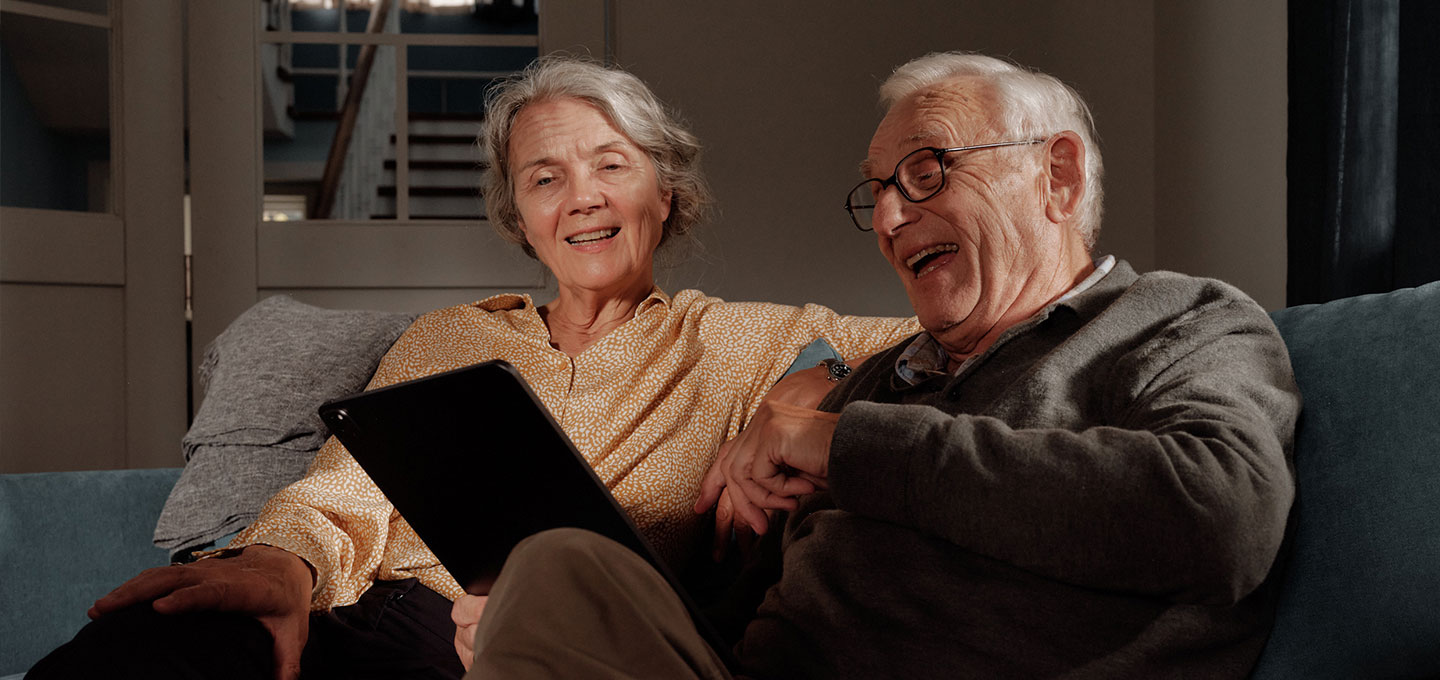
(835, 369)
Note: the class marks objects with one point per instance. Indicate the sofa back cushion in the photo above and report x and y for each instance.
(1361, 594)
(257, 428)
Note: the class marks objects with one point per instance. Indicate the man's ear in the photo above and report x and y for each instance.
(1065, 176)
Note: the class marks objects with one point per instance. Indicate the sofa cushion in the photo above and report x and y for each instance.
(1361, 595)
(66, 538)
(257, 428)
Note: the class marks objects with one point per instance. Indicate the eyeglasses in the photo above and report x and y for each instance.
(919, 176)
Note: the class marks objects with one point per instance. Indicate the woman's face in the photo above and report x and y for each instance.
(590, 203)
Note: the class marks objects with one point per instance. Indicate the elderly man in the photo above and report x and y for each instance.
(1074, 471)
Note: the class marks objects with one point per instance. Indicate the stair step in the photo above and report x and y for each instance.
(449, 207)
(456, 127)
(468, 153)
(437, 165)
(389, 190)
(311, 115)
(467, 177)
(439, 139)
(450, 116)
(415, 116)
(413, 216)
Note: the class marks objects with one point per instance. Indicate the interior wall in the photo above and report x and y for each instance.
(62, 405)
(783, 97)
(1220, 120)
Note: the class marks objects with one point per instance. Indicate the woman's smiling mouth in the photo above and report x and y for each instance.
(593, 236)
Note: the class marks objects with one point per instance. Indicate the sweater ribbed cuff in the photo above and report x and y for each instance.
(871, 459)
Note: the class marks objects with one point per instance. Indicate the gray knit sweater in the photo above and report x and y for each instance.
(1102, 494)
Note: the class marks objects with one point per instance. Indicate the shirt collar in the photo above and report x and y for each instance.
(505, 302)
(925, 357)
(513, 301)
(656, 297)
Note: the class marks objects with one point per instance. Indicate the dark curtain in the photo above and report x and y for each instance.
(1364, 147)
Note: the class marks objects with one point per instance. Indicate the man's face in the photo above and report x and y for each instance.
(965, 255)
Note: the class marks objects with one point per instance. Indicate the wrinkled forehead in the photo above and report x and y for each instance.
(955, 112)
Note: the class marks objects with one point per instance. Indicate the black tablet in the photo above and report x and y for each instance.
(475, 463)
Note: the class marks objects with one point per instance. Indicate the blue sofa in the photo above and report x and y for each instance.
(1360, 582)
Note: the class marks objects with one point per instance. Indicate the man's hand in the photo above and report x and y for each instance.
(802, 388)
(808, 386)
(466, 615)
(267, 583)
(783, 453)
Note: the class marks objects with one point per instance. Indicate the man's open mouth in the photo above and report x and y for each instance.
(592, 236)
(920, 262)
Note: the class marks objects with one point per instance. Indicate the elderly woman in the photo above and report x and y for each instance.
(590, 175)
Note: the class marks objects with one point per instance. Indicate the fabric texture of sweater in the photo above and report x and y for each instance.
(1102, 494)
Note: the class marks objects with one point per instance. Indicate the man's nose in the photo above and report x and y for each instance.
(892, 211)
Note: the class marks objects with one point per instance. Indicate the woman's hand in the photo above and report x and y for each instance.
(466, 615)
(267, 583)
(726, 524)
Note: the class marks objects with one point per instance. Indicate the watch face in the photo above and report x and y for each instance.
(838, 370)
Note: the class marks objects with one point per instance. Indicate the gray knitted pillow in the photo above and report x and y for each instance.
(257, 428)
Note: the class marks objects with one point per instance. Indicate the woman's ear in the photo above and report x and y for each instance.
(1065, 176)
(665, 204)
(524, 233)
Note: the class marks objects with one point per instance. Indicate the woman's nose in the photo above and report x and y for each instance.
(585, 195)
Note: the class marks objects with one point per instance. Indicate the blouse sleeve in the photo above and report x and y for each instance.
(764, 339)
(334, 517)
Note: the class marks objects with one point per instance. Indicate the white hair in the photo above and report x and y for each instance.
(1032, 105)
(628, 104)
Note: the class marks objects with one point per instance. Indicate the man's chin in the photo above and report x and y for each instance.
(945, 325)
(937, 325)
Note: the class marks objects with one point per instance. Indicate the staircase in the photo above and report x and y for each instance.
(444, 169)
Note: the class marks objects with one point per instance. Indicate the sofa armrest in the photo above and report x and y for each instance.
(1358, 596)
(66, 538)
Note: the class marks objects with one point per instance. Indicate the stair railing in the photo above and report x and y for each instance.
(363, 131)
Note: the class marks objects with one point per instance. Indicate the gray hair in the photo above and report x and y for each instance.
(1033, 105)
(629, 105)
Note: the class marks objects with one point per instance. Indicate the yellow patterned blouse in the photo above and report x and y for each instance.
(647, 405)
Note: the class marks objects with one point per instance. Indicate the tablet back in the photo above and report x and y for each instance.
(475, 463)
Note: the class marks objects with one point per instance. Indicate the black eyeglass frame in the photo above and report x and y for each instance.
(894, 179)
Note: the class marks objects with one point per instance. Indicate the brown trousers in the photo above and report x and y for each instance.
(573, 604)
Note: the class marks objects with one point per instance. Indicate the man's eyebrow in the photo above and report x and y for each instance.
(924, 137)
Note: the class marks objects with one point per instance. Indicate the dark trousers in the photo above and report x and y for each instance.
(398, 629)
